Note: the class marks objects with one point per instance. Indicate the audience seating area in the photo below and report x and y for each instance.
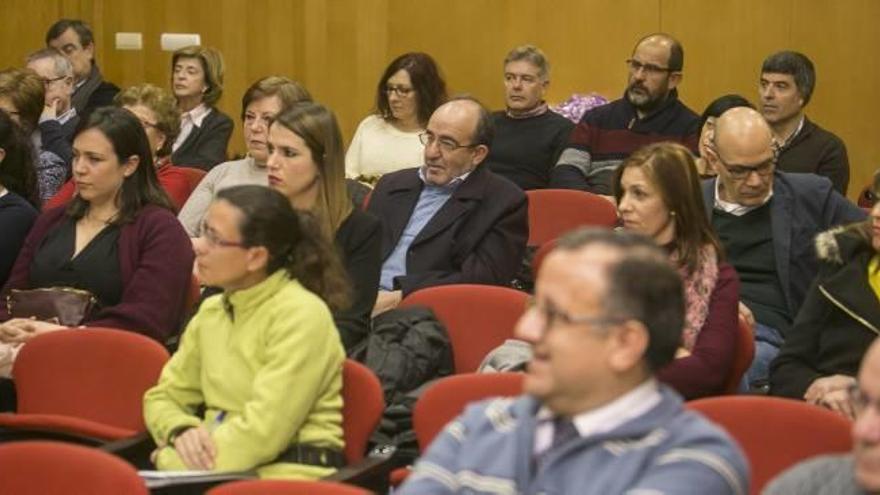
(552, 212)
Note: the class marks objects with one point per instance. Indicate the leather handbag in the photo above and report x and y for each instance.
(61, 305)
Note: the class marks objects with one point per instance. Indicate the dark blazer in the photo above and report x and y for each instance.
(359, 242)
(206, 145)
(838, 321)
(803, 205)
(478, 236)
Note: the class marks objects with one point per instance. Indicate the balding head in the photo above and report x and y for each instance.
(675, 61)
(743, 156)
(866, 429)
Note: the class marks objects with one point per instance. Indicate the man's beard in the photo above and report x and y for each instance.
(643, 100)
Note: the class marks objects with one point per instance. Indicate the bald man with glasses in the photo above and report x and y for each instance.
(767, 221)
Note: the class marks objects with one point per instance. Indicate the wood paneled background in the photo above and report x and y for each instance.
(338, 48)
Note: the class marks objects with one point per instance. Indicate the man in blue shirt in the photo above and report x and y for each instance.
(449, 221)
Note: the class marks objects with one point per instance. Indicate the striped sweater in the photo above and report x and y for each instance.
(607, 135)
(489, 450)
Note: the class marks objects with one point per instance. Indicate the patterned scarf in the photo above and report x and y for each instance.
(698, 288)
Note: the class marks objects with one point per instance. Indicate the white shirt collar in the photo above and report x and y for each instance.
(197, 115)
(604, 418)
(736, 209)
(451, 184)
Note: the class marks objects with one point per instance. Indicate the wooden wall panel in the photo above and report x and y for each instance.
(338, 48)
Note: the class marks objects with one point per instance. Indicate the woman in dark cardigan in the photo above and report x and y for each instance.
(658, 195)
(838, 321)
(307, 164)
(120, 213)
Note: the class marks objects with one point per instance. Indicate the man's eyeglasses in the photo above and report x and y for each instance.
(551, 315)
(210, 236)
(650, 69)
(859, 400)
(446, 145)
(48, 81)
(741, 172)
(400, 91)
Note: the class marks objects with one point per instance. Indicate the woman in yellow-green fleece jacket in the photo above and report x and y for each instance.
(264, 357)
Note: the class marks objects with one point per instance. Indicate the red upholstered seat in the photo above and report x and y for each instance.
(363, 404)
(283, 487)
(553, 212)
(46, 468)
(478, 318)
(446, 399)
(776, 433)
(88, 382)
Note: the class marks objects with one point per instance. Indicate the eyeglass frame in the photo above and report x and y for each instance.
(742, 172)
(551, 315)
(448, 146)
(635, 66)
(48, 81)
(400, 91)
(859, 400)
(213, 241)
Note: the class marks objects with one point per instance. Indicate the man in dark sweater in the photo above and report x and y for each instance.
(649, 112)
(73, 38)
(787, 82)
(528, 137)
(59, 119)
(767, 221)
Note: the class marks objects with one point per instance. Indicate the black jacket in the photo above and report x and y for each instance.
(477, 237)
(206, 145)
(359, 241)
(838, 321)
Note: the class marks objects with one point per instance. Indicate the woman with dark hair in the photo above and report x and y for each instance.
(306, 165)
(197, 83)
(157, 112)
(409, 91)
(707, 128)
(18, 192)
(261, 103)
(839, 319)
(658, 194)
(264, 357)
(117, 238)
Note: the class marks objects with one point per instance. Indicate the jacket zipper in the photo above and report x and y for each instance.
(848, 311)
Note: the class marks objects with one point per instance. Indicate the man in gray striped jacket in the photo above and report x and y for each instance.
(608, 312)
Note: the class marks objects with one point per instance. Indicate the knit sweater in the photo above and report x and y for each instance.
(268, 356)
(489, 449)
(378, 148)
(817, 151)
(607, 135)
(525, 150)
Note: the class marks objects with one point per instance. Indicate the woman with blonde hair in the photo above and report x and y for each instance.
(306, 163)
(197, 83)
(658, 194)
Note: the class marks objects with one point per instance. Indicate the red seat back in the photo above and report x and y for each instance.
(286, 487)
(363, 404)
(776, 433)
(98, 374)
(553, 212)
(52, 467)
(478, 318)
(446, 399)
(193, 176)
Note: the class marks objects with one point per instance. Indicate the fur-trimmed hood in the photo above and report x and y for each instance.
(837, 245)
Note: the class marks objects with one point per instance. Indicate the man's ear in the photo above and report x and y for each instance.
(90, 49)
(675, 79)
(481, 151)
(629, 344)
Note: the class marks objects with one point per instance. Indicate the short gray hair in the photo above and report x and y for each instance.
(533, 55)
(63, 67)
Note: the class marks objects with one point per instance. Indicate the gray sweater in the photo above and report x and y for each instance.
(489, 449)
(823, 475)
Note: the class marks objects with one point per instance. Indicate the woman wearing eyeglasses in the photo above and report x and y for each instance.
(839, 319)
(658, 194)
(157, 112)
(409, 91)
(263, 358)
(305, 163)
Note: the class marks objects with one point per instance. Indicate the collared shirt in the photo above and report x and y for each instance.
(630, 405)
(736, 209)
(63, 118)
(794, 134)
(431, 199)
(190, 120)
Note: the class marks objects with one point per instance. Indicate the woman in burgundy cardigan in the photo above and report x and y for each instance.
(118, 238)
(658, 194)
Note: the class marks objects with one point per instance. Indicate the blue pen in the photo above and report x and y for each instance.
(217, 420)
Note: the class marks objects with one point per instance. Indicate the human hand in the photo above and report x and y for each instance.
(839, 402)
(196, 448)
(386, 300)
(20, 330)
(681, 352)
(821, 387)
(746, 314)
(50, 110)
